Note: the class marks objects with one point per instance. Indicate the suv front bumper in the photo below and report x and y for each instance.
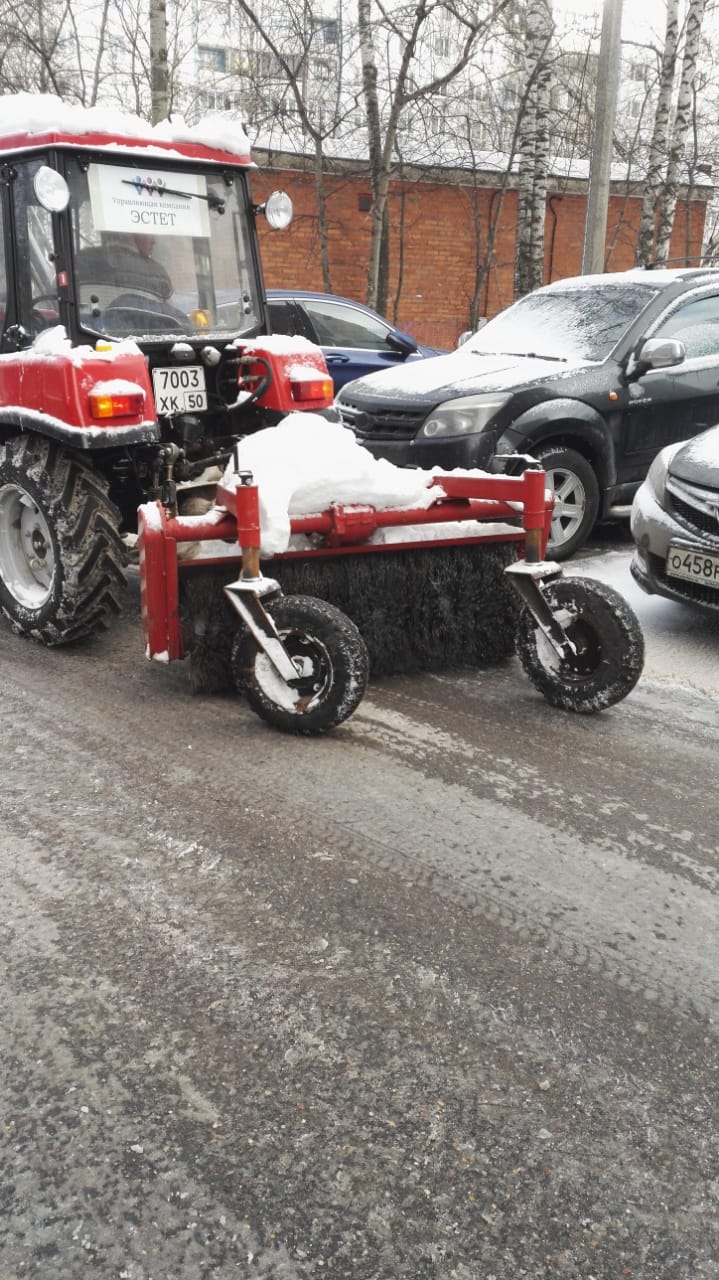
(465, 452)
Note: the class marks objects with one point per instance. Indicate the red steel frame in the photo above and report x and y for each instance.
(345, 530)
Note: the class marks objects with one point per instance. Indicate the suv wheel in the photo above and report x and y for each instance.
(576, 499)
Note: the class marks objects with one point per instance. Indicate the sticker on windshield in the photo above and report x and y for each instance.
(157, 203)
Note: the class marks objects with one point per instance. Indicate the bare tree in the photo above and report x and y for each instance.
(92, 50)
(153, 45)
(32, 55)
(296, 54)
(392, 40)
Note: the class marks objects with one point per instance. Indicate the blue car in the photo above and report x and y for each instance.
(354, 339)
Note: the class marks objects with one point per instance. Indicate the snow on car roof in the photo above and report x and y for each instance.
(41, 119)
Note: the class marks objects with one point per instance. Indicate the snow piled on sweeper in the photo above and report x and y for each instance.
(420, 606)
(306, 462)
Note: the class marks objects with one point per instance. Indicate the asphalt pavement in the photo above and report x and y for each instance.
(432, 998)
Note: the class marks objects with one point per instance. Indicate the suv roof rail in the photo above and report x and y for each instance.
(690, 270)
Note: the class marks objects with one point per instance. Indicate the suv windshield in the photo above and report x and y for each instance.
(154, 248)
(583, 323)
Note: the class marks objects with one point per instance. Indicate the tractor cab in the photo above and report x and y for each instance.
(131, 259)
(150, 246)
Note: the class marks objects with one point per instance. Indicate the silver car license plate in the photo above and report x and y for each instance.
(179, 390)
(693, 566)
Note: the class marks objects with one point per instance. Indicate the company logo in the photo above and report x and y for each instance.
(148, 186)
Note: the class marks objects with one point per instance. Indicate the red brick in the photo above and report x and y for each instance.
(437, 250)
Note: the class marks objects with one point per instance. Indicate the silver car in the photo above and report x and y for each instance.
(675, 523)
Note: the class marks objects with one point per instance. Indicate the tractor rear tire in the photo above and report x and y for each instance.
(62, 561)
(332, 662)
(608, 639)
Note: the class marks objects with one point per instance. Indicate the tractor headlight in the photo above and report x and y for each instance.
(464, 417)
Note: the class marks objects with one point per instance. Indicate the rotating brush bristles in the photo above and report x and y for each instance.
(426, 609)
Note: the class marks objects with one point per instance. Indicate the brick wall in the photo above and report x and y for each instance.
(432, 266)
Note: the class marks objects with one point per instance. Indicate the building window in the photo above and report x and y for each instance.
(212, 58)
(639, 71)
(325, 29)
(217, 100)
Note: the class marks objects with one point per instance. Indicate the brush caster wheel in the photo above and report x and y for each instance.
(331, 660)
(62, 563)
(608, 640)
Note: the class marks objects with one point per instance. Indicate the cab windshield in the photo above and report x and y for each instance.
(162, 252)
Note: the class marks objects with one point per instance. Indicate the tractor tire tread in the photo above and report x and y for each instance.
(90, 556)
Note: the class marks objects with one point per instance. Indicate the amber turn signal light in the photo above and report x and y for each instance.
(116, 406)
(313, 389)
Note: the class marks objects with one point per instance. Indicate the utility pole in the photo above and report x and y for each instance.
(595, 226)
(158, 61)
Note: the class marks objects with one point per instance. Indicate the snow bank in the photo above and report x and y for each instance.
(306, 463)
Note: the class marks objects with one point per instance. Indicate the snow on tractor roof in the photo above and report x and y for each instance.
(33, 120)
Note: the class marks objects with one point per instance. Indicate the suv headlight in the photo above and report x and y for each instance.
(463, 417)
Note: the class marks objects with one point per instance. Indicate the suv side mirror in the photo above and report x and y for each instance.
(656, 353)
(401, 342)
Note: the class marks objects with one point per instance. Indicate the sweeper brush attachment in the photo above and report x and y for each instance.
(382, 592)
(431, 608)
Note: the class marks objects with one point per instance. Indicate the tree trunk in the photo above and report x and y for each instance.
(374, 139)
(538, 208)
(380, 152)
(159, 79)
(525, 198)
(658, 146)
(682, 123)
(97, 69)
(322, 215)
(533, 144)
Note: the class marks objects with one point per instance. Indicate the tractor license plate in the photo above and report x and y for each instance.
(179, 390)
(693, 566)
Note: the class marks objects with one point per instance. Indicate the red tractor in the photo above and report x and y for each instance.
(131, 290)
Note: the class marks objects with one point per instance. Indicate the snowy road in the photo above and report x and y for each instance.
(434, 998)
(682, 644)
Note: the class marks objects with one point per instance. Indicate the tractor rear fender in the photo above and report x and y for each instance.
(85, 398)
(569, 423)
(14, 421)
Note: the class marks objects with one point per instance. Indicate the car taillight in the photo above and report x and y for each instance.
(313, 389)
(123, 405)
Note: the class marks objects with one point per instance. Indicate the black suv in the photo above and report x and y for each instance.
(591, 376)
